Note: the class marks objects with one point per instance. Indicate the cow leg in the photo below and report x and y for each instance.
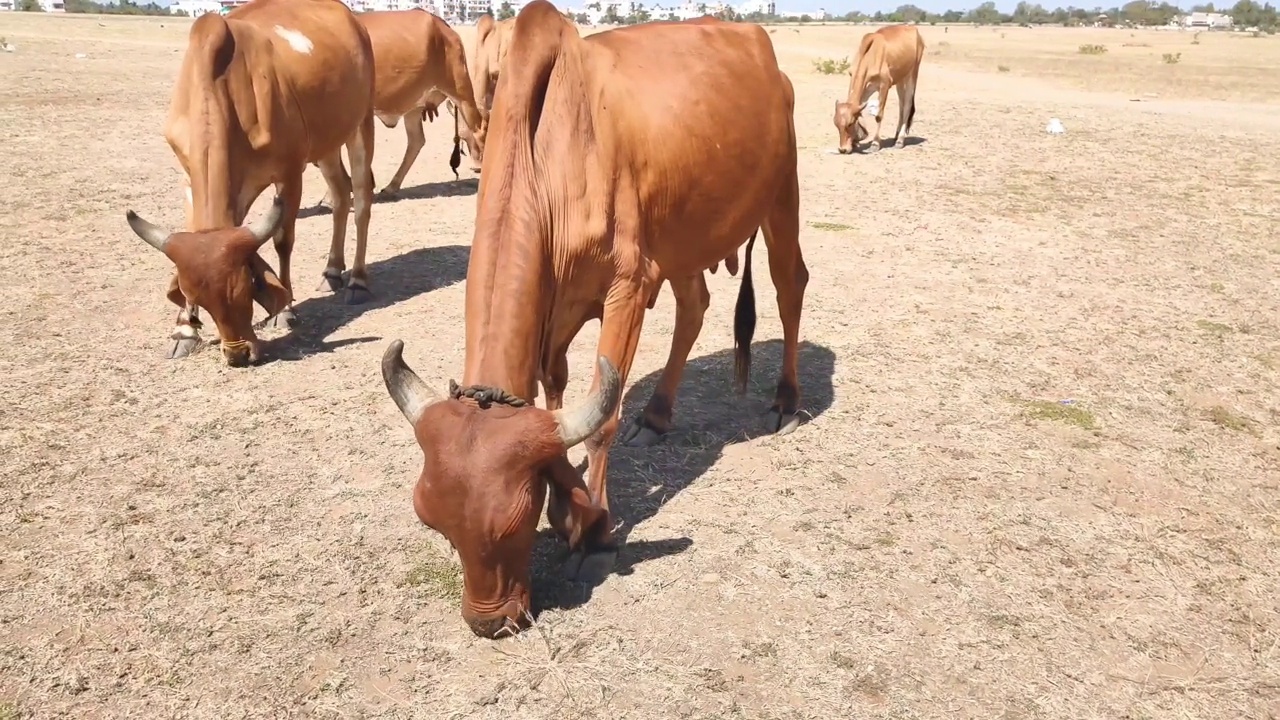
(360, 150)
(291, 191)
(790, 276)
(335, 176)
(186, 328)
(620, 328)
(327, 200)
(692, 301)
(884, 97)
(416, 139)
(906, 104)
(555, 378)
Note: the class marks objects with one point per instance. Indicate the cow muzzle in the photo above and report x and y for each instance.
(510, 621)
(240, 353)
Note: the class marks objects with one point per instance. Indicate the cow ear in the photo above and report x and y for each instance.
(268, 291)
(570, 510)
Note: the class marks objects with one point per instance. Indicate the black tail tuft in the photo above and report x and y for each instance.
(744, 322)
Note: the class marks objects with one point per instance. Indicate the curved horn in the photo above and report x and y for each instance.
(265, 228)
(578, 424)
(412, 395)
(150, 234)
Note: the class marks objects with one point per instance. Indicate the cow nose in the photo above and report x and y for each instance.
(491, 627)
(237, 358)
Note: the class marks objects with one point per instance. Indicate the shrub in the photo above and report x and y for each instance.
(827, 66)
(1093, 49)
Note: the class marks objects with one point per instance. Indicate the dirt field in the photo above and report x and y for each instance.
(1041, 479)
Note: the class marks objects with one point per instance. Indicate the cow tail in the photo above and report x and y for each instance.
(455, 158)
(744, 322)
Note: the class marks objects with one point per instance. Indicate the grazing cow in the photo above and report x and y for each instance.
(435, 99)
(418, 58)
(262, 92)
(492, 40)
(888, 57)
(611, 169)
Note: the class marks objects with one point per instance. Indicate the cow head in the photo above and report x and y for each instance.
(220, 271)
(851, 131)
(485, 474)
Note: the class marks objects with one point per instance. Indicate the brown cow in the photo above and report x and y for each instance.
(888, 57)
(487, 58)
(417, 58)
(262, 92)
(610, 170)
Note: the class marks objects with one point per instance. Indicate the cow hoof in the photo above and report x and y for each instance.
(333, 282)
(282, 320)
(387, 193)
(356, 295)
(182, 347)
(873, 148)
(590, 568)
(640, 435)
(779, 423)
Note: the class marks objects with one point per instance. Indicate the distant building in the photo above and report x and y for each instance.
(1207, 20)
(194, 8)
(764, 7)
(46, 5)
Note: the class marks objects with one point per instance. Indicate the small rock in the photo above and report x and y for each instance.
(179, 538)
(709, 579)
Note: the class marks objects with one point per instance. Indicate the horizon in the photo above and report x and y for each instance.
(887, 6)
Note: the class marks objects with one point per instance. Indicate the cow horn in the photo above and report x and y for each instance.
(265, 228)
(580, 423)
(150, 234)
(412, 395)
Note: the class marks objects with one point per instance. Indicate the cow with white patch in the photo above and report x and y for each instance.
(263, 91)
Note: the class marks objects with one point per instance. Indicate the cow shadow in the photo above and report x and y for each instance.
(446, 188)
(887, 144)
(709, 417)
(392, 281)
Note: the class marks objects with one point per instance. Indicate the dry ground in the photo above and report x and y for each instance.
(1040, 481)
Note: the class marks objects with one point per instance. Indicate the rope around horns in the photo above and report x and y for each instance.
(484, 395)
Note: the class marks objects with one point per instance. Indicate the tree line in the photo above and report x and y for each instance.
(123, 7)
(1245, 13)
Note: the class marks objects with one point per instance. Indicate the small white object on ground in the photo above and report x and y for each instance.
(81, 56)
(1055, 127)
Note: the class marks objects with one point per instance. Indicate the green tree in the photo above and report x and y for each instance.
(505, 11)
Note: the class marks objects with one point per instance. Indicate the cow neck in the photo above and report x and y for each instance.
(213, 196)
(509, 285)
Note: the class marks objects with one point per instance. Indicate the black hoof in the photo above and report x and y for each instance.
(182, 347)
(591, 567)
(779, 423)
(387, 193)
(640, 435)
(333, 282)
(356, 295)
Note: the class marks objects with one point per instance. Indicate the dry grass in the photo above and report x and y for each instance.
(181, 539)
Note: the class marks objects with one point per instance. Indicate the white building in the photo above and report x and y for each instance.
(45, 5)
(194, 8)
(1207, 20)
(764, 7)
